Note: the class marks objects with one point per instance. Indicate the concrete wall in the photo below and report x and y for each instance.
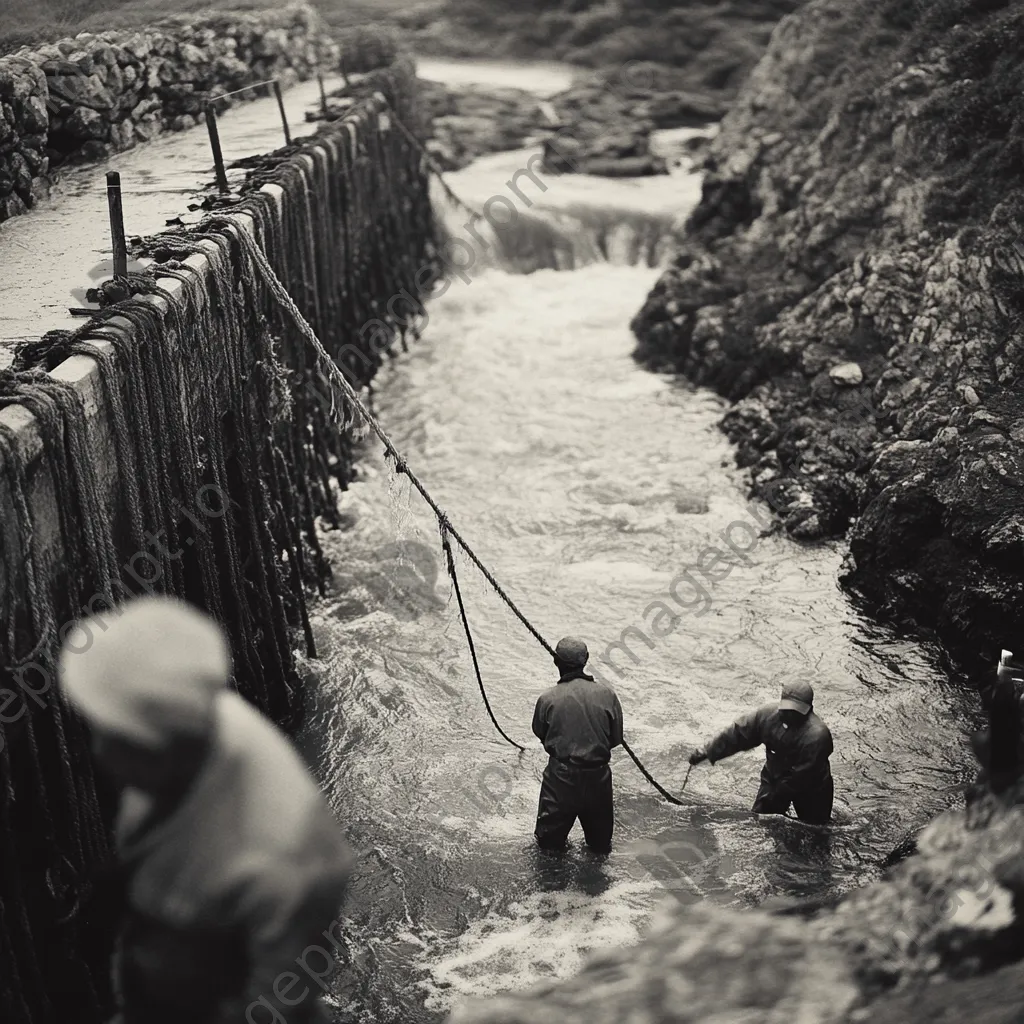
(83, 98)
(228, 372)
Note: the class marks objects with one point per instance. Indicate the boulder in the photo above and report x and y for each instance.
(85, 123)
(624, 167)
(11, 205)
(21, 173)
(846, 374)
(685, 110)
(32, 115)
(81, 91)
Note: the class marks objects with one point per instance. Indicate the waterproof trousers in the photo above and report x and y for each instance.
(568, 793)
(813, 807)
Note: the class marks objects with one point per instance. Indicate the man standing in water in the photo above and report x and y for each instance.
(798, 745)
(232, 863)
(579, 721)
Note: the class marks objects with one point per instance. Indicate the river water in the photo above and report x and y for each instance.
(587, 485)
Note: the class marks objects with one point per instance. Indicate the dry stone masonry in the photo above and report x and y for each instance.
(98, 93)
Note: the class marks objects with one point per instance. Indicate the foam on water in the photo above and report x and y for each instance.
(546, 935)
(587, 486)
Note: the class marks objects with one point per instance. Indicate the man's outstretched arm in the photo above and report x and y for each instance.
(745, 733)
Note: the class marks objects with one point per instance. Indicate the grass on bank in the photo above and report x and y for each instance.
(38, 21)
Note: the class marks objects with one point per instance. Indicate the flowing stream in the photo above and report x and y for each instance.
(587, 485)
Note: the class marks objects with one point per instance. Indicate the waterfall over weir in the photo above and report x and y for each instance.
(530, 220)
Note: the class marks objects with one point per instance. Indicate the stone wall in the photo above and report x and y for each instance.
(192, 411)
(83, 98)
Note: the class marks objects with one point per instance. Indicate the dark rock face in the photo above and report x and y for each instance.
(858, 209)
(83, 98)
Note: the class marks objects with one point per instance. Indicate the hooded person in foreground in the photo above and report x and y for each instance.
(797, 745)
(232, 863)
(579, 721)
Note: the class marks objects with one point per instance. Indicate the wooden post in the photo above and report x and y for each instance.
(117, 224)
(323, 95)
(218, 155)
(344, 73)
(284, 116)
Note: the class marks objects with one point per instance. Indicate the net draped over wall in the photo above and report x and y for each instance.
(225, 460)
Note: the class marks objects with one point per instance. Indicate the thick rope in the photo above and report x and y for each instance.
(334, 374)
(653, 781)
(331, 371)
(450, 558)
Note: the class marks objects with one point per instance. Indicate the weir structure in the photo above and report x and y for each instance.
(183, 444)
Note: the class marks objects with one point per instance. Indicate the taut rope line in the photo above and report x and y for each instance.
(333, 373)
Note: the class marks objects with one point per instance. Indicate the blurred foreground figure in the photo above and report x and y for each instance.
(579, 721)
(797, 745)
(232, 862)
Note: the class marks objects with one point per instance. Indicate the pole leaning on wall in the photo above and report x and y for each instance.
(218, 155)
(323, 96)
(116, 209)
(284, 116)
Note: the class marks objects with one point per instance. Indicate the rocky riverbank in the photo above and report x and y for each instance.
(601, 125)
(84, 98)
(469, 121)
(853, 280)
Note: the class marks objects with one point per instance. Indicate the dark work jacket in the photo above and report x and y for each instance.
(796, 759)
(579, 721)
(226, 891)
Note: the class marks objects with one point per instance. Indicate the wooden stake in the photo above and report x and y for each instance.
(218, 155)
(284, 116)
(323, 95)
(117, 224)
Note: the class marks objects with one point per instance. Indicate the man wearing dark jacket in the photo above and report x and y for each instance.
(579, 721)
(233, 864)
(798, 745)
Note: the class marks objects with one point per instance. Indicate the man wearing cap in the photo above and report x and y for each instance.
(232, 862)
(798, 745)
(579, 721)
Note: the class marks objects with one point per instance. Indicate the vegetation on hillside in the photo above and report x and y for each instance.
(716, 42)
(34, 21)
